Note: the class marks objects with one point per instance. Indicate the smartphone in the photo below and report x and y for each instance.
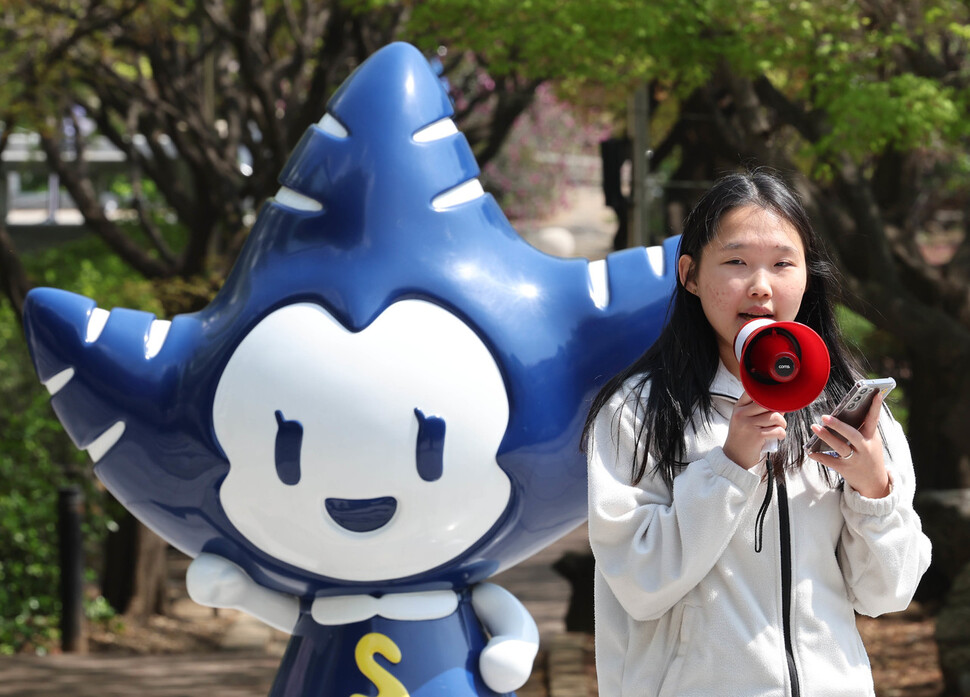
(853, 408)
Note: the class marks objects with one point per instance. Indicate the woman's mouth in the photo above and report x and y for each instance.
(747, 316)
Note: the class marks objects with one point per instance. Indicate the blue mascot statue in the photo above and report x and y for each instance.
(380, 410)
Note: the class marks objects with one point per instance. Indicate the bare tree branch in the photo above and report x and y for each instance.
(86, 199)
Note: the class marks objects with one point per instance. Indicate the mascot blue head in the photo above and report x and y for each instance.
(387, 393)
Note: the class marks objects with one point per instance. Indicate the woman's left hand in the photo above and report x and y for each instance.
(861, 462)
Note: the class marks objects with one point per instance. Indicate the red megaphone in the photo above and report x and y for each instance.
(784, 365)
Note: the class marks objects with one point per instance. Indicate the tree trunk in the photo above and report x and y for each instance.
(13, 278)
(135, 571)
(939, 416)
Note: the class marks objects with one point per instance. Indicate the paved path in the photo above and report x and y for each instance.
(236, 674)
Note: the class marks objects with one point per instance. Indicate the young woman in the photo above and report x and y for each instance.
(721, 570)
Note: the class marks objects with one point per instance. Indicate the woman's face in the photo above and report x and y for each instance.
(753, 267)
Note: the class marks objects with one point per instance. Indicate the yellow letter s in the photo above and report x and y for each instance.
(369, 645)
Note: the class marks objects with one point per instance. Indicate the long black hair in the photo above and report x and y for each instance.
(682, 362)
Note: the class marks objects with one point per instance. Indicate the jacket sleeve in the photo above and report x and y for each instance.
(652, 547)
(883, 551)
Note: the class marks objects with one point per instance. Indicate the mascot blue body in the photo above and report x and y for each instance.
(380, 409)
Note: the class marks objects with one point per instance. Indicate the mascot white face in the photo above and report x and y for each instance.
(362, 456)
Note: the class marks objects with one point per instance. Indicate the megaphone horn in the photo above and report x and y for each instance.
(784, 365)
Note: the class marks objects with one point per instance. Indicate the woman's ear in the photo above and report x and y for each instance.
(685, 271)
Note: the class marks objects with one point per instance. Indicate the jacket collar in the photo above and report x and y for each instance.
(725, 384)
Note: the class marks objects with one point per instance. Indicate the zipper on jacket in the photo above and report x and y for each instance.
(786, 584)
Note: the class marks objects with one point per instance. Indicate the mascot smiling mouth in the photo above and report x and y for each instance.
(361, 515)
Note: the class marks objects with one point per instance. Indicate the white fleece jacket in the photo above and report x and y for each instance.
(685, 605)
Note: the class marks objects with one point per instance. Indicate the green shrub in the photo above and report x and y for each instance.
(37, 458)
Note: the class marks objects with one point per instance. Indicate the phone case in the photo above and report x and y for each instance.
(854, 407)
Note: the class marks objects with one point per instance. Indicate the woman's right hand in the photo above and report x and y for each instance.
(752, 426)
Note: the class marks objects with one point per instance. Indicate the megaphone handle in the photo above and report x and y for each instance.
(771, 446)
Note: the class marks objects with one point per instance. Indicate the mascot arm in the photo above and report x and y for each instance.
(506, 661)
(216, 582)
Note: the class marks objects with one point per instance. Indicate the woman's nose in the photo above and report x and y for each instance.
(760, 284)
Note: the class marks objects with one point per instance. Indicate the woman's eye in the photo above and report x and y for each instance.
(429, 452)
(736, 262)
(289, 442)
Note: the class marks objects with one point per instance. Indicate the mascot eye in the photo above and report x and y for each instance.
(429, 453)
(289, 439)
